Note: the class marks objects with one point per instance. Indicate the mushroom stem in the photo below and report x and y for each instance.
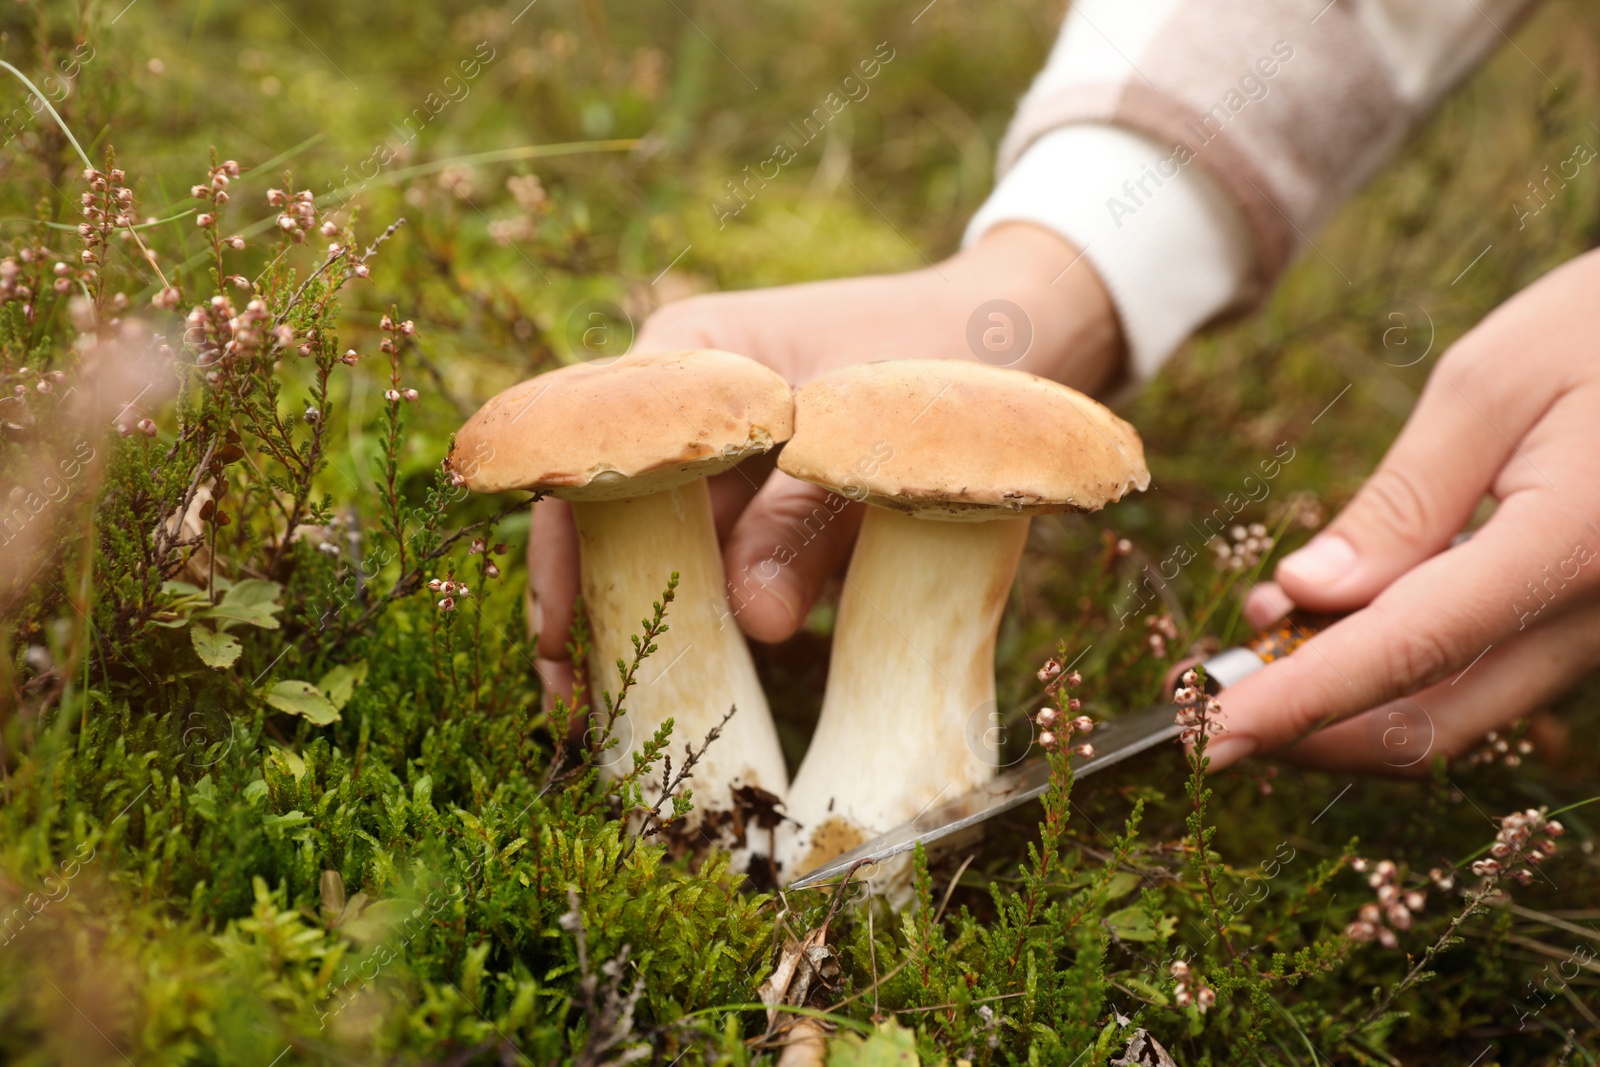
(628, 550)
(910, 690)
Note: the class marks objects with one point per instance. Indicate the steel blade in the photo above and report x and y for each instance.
(1114, 742)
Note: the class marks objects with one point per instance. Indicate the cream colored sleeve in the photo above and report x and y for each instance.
(1199, 142)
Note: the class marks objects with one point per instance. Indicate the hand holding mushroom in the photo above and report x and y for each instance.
(629, 443)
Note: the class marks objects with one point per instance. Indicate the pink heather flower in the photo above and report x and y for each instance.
(146, 427)
(1047, 739)
(167, 299)
(276, 198)
(392, 395)
(235, 242)
(361, 270)
(1180, 969)
(45, 387)
(409, 394)
(199, 192)
(1205, 998)
(1085, 750)
(205, 219)
(490, 570)
(1046, 717)
(407, 328)
(1083, 724)
(1049, 671)
(1074, 680)
(447, 604)
(477, 548)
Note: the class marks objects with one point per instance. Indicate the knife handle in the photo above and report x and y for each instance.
(1275, 642)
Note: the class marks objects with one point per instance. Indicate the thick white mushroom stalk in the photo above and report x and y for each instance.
(629, 549)
(908, 715)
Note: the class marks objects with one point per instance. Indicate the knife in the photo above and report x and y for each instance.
(1114, 741)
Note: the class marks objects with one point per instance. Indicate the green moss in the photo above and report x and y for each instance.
(197, 867)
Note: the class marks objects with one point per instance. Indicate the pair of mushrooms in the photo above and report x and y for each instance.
(952, 459)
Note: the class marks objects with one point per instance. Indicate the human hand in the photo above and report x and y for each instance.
(1446, 643)
(802, 331)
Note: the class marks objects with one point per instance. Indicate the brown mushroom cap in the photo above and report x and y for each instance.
(958, 440)
(625, 427)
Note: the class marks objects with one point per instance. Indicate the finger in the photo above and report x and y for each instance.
(785, 545)
(1429, 624)
(732, 491)
(1444, 461)
(1265, 604)
(552, 576)
(1510, 681)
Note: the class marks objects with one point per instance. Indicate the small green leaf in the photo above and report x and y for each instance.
(204, 799)
(255, 791)
(339, 683)
(214, 649)
(1133, 924)
(1122, 883)
(890, 1046)
(303, 699)
(287, 821)
(252, 602)
(289, 762)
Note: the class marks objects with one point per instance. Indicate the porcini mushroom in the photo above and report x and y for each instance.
(630, 442)
(953, 459)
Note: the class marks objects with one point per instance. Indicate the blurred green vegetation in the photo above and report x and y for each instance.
(633, 117)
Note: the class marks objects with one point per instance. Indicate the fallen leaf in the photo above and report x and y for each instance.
(1142, 1051)
(303, 699)
(252, 602)
(217, 650)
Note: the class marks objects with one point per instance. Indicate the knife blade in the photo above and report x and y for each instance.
(1114, 741)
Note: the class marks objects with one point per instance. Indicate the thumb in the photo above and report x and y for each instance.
(1416, 501)
(785, 545)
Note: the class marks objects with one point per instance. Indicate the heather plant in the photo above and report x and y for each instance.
(281, 782)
